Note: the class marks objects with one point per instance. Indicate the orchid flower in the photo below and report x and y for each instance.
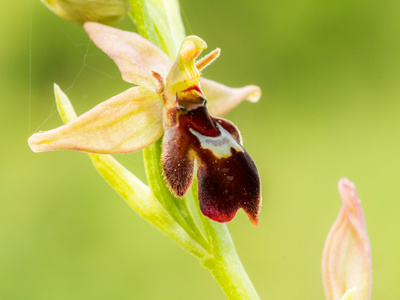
(171, 99)
(346, 261)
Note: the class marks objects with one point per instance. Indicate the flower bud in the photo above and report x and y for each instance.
(346, 261)
(109, 12)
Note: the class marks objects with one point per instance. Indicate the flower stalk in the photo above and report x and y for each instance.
(223, 261)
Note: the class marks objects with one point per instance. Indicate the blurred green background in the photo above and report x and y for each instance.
(330, 74)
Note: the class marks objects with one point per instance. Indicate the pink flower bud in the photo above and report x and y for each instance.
(346, 260)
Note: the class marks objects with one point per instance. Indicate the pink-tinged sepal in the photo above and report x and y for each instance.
(125, 123)
(222, 99)
(135, 56)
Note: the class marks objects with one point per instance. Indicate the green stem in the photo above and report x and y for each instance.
(226, 266)
(223, 261)
(178, 207)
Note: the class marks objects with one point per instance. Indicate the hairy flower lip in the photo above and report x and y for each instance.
(227, 176)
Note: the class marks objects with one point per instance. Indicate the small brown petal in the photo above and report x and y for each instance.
(178, 163)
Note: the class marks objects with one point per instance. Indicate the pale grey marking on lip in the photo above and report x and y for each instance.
(219, 145)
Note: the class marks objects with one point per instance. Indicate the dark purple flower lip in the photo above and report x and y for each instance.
(227, 176)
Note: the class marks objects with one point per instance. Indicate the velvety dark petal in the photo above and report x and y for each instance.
(227, 184)
(177, 161)
(227, 176)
